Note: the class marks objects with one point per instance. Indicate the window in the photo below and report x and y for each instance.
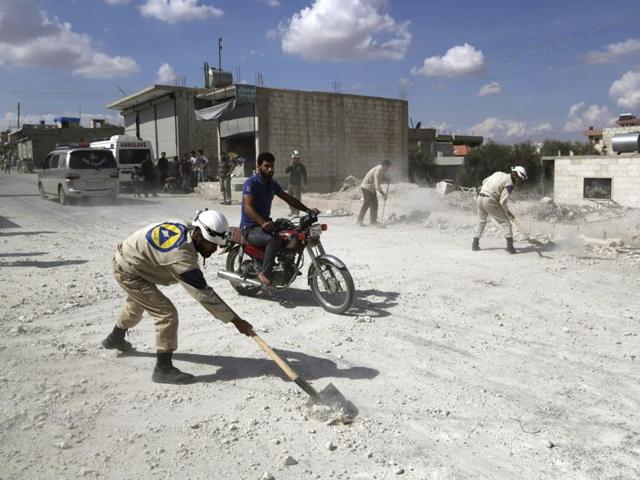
(53, 162)
(597, 188)
(84, 159)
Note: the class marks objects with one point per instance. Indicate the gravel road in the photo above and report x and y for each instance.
(464, 365)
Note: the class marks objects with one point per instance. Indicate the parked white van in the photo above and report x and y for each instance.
(69, 172)
(129, 153)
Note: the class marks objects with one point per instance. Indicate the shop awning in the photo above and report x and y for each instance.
(213, 113)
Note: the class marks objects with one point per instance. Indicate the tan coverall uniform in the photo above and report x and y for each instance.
(162, 254)
(492, 200)
(371, 185)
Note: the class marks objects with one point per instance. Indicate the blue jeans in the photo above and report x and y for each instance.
(257, 237)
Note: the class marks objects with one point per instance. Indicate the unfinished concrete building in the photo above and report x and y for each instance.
(337, 134)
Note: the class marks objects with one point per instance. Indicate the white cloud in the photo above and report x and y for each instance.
(580, 117)
(614, 51)
(174, 11)
(457, 61)
(506, 129)
(117, 2)
(29, 38)
(493, 88)
(166, 75)
(345, 30)
(626, 90)
(271, 3)
(10, 119)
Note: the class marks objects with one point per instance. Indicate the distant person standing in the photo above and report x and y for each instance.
(163, 169)
(225, 166)
(186, 171)
(371, 186)
(297, 178)
(149, 176)
(194, 169)
(202, 166)
(7, 164)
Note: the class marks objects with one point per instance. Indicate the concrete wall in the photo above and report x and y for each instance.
(194, 134)
(337, 135)
(570, 172)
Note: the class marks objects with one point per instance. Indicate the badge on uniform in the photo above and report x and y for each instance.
(167, 236)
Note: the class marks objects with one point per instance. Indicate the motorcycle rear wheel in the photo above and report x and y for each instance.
(338, 296)
(232, 265)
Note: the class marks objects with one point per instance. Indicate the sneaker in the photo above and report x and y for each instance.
(113, 343)
(171, 375)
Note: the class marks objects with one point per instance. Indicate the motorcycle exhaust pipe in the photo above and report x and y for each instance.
(239, 280)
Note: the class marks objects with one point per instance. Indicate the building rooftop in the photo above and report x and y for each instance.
(148, 94)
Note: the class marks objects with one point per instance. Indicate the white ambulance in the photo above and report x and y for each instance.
(129, 152)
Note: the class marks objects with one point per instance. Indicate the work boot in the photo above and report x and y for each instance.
(475, 246)
(165, 372)
(510, 248)
(116, 340)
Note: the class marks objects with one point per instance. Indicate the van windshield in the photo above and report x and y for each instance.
(129, 156)
(83, 159)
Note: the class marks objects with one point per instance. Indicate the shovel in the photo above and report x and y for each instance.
(529, 238)
(330, 396)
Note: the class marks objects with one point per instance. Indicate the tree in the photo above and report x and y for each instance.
(551, 147)
(421, 166)
(494, 157)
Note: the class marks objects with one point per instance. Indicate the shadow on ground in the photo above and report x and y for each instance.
(25, 254)
(373, 302)
(237, 368)
(38, 264)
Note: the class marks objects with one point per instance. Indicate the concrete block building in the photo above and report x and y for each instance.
(165, 115)
(337, 134)
(583, 179)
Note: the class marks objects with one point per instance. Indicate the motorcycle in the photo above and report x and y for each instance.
(328, 277)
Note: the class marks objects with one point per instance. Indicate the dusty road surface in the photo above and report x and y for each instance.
(464, 365)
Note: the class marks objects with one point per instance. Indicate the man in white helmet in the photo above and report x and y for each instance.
(162, 254)
(492, 201)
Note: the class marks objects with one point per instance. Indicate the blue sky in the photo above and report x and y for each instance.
(545, 68)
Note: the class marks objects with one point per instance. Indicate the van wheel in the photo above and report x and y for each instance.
(62, 197)
(41, 189)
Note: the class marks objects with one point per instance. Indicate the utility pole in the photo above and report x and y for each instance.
(220, 54)
(18, 115)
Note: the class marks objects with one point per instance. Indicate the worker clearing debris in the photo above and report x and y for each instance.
(164, 254)
(492, 200)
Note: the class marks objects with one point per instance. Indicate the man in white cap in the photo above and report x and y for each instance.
(297, 178)
(163, 254)
(492, 201)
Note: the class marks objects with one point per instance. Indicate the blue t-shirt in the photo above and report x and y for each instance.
(262, 193)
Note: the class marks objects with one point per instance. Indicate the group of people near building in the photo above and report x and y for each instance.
(8, 161)
(180, 174)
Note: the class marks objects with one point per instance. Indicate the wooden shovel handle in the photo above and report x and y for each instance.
(276, 358)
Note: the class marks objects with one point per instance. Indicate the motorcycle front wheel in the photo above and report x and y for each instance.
(335, 294)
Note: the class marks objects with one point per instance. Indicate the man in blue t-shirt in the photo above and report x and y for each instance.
(256, 224)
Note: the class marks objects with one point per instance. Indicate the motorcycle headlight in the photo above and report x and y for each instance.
(315, 231)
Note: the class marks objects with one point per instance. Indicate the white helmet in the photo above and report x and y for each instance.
(295, 154)
(213, 226)
(522, 173)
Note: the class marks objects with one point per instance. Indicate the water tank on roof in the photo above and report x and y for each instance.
(626, 143)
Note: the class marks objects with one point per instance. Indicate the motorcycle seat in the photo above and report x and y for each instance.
(235, 235)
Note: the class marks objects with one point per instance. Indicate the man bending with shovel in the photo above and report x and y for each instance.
(163, 254)
(492, 200)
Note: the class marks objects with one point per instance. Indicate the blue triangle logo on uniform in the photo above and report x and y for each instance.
(165, 234)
